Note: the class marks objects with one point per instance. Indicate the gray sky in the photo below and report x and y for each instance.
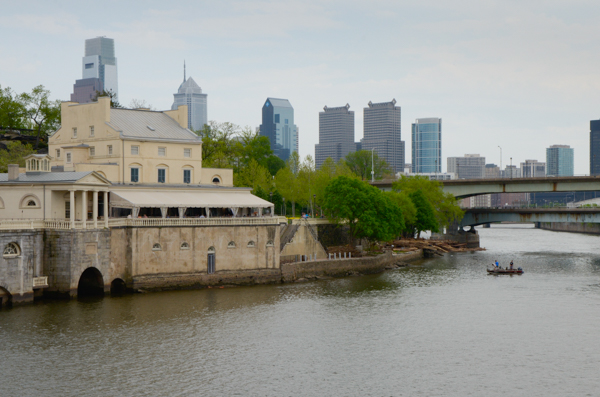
(522, 75)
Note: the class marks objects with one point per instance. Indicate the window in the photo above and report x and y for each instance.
(69, 157)
(67, 209)
(89, 65)
(74, 132)
(184, 246)
(91, 130)
(11, 250)
(57, 153)
(156, 247)
(187, 152)
(109, 150)
(216, 180)
(161, 175)
(135, 150)
(270, 243)
(286, 121)
(187, 176)
(135, 175)
(31, 203)
(162, 151)
(251, 244)
(231, 244)
(277, 118)
(210, 268)
(92, 150)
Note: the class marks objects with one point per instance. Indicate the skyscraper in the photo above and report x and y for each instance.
(190, 94)
(595, 147)
(427, 145)
(471, 166)
(278, 125)
(533, 169)
(559, 159)
(100, 62)
(336, 134)
(382, 132)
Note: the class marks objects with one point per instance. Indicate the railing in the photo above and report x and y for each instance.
(64, 224)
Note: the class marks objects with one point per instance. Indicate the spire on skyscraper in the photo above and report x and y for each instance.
(184, 71)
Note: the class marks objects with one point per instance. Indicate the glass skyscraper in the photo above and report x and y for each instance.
(559, 160)
(278, 125)
(595, 147)
(336, 134)
(190, 94)
(427, 145)
(382, 132)
(100, 62)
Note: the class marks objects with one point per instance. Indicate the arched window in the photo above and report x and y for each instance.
(231, 244)
(210, 262)
(216, 179)
(270, 243)
(156, 247)
(184, 246)
(29, 201)
(251, 244)
(11, 250)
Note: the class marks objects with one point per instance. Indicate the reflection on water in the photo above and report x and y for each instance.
(440, 327)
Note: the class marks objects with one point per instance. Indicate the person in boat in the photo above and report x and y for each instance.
(496, 264)
(511, 265)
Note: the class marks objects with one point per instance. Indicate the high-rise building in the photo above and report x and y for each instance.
(559, 159)
(595, 147)
(336, 134)
(100, 62)
(190, 94)
(533, 169)
(471, 166)
(427, 145)
(85, 90)
(278, 125)
(492, 171)
(511, 171)
(382, 132)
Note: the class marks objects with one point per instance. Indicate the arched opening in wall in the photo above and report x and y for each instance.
(5, 298)
(91, 283)
(118, 287)
(210, 268)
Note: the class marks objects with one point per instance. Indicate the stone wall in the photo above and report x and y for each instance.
(302, 242)
(291, 272)
(17, 272)
(572, 227)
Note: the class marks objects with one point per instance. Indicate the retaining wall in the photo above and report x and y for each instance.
(572, 227)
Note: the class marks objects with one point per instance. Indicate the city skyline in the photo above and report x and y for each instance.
(520, 76)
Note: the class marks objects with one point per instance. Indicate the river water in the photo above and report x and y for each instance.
(440, 328)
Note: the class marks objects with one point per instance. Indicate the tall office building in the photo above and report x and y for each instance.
(190, 94)
(427, 145)
(492, 171)
(533, 169)
(100, 62)
(559, 159)
(84, 90)
(336, 134)
(595, 147)
(471, 166)
(278, 125)
(382, 132)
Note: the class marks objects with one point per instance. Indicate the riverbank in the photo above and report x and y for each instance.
(570, 227)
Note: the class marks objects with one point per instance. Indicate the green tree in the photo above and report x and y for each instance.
(43, 113)
(445, 206)
(425, 217)
(15, 153)
(274, 164)
(362, 161)
(114, 103)
(324, 175)
(219, 149)
(409, 211)
(365, 209)
(13, 114)
(255, 176)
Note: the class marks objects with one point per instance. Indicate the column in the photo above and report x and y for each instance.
(106, 209)
(182, 212)
(84, 197)
(72, 208)
(95, 208)
(207, 212)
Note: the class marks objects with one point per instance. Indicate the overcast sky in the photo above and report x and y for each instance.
(522, 75)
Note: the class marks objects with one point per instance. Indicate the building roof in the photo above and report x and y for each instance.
(47, 177)
(189, 199)
(189, 84)
(149, 125)
(281, 103)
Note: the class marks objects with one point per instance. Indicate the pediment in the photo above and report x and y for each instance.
(95, 179)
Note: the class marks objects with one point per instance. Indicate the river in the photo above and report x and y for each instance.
(440, 328)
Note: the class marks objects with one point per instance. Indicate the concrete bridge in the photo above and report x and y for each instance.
(462, 188)
(479, 216)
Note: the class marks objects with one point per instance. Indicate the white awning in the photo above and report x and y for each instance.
(185, 199)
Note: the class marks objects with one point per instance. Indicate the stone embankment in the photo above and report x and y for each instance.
(571, 227)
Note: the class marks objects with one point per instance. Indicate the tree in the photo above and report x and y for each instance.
(255, 176)
(364, 208)
(43, 113)
(361, 162)
(140, 104)
(13, 114)
(219, 149)
(425, 217)
(114, 103)
(15, 153)
(409, 211)
(445, 207)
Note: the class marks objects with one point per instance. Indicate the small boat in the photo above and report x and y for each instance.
(505, 271)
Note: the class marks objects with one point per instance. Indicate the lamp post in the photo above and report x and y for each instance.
(372, 165)
(500, 158)
(511, 170)
(284, 211)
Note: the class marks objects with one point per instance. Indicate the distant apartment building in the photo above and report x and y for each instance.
(471, 166)
(190, 94)
(559, 160)
(427, 145)
(533, 169)
(511, 171)
(278, 125)
(98, 70)
(595, 147)
(492, 171)
(382, 132)
(336, 134)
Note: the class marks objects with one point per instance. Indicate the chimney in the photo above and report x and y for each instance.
(13, 172)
